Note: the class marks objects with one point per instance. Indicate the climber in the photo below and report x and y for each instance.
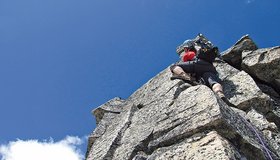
(197, 64)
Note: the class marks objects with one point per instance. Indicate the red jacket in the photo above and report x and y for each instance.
(188, 56)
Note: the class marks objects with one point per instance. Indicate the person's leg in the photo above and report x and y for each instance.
(218, 89)
(202, 67)
(213, 81)
(177, 70)
(179, 73)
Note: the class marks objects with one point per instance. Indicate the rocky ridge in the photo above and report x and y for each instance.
(167, 119)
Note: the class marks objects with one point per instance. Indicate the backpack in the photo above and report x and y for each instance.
(204, 49)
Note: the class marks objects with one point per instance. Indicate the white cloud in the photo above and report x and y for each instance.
(66, 149)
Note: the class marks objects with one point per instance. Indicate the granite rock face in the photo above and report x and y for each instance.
(263, 64)
(167, 119)
(233, 55)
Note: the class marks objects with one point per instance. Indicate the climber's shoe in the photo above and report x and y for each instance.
(185, 77)
(221, 95)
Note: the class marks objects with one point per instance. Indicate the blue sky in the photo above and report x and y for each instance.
(59, 59)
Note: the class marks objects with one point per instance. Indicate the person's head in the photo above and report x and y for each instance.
(187, 49)
(186, 46)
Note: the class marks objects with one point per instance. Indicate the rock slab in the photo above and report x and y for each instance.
(167, 119)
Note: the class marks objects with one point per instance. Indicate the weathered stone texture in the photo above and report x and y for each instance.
(233, 55)
(104, 146)
(241, 89)
(210, 146)
(263, 64)
(167, 119)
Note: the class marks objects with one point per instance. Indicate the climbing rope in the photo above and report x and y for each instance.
(253, 129)
(263, 144)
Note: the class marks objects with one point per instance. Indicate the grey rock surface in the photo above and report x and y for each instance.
(104, 146)
(167, 119)
(233, 55)
(210, 146)
(263, 64)
(241, 89)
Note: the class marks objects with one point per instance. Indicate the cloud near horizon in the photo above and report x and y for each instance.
(47, 150)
